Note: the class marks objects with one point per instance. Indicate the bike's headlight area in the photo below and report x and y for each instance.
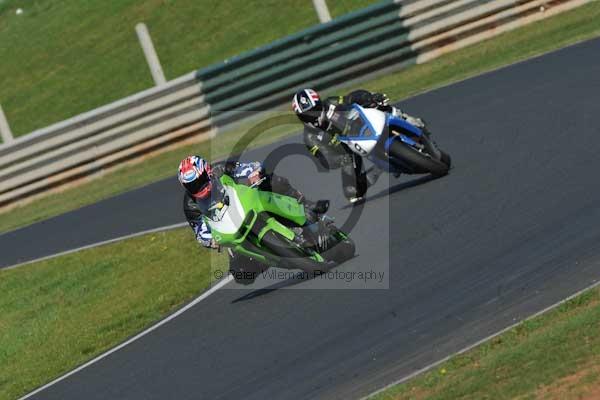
(219, 212)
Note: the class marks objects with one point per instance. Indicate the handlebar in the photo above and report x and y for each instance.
(258, 182)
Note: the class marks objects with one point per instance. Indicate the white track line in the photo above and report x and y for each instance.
(493, 335)
(229, 278)
(89, 246)
(481, 74)
(197, 300)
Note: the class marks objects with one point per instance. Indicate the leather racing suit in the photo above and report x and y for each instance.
(240, 266)
(320, 139)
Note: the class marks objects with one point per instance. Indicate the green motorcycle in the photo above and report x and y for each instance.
(274, 230)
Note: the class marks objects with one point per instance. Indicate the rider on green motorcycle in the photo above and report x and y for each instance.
(196, 175)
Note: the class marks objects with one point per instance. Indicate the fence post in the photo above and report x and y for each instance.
(322, 10)
(151, 57)
(5, 131)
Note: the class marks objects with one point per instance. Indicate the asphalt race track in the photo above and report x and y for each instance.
(514, 228)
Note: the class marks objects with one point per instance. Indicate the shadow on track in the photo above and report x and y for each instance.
(396, 188)
(280, 285)
(261, 292)
(294, 281)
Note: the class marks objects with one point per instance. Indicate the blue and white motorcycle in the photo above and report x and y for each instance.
(391, 143)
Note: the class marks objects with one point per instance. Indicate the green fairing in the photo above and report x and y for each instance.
(245, 205)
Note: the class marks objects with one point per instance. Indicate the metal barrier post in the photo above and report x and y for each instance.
(150, 53)
(5, 131)
(322, 11)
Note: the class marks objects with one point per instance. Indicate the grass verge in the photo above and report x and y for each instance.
(538, 38)
(520, 44)
(61, 58)
(553, 356)
(59, 313)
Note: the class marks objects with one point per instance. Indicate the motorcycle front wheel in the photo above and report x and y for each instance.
(421, 162)
(292, 256)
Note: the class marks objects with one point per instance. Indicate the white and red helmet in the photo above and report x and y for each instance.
(195, 176)
(307, 105)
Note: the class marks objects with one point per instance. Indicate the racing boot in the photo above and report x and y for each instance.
(314, 210)
(318, 207)
(370, 178)
(356, 199)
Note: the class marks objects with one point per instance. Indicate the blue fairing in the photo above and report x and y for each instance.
(357, 124)
(402, 138)
(402, 124)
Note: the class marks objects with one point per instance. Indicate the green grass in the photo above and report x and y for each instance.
(132, 176)
(64, 57)
(57, 314)
(550, 34)
(556, 355)
(534, 39)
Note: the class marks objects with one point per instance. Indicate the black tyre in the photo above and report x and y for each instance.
(445, 158)
(247, 270)
(243, 281)
(421, 163)
(291, 254)
(340, 252)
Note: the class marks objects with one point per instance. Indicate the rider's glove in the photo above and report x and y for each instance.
(255, 176)
(381, 99)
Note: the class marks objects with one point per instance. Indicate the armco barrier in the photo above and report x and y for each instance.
(92, 141)
(385, 35)
(381, 38)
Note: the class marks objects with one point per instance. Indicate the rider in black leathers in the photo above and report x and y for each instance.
(197, 177)
(320, 134)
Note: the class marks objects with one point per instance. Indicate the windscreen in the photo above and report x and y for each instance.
(353, 124)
